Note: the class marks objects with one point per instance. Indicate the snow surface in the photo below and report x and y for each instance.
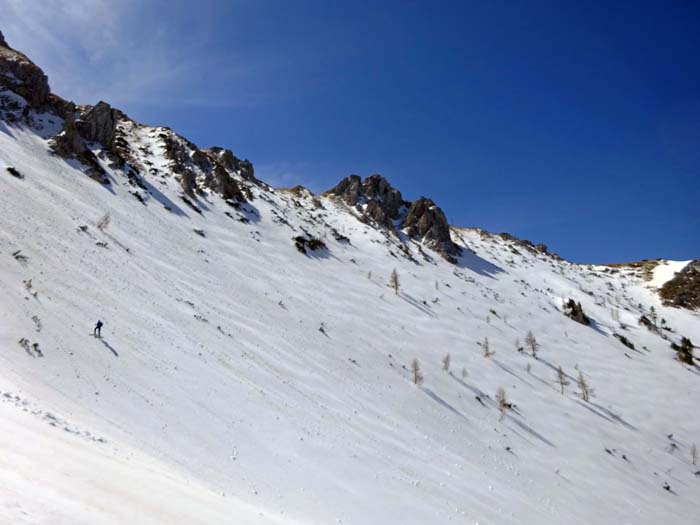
(240, 381)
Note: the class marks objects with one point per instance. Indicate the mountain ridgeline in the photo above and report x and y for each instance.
(197, 169)
(216, 169)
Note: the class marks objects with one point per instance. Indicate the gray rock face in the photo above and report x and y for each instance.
(349, 189)
(197, 169)
(426, 221)
(68, 143)
(383, 201)
(231, 163)
(95, 124)
(384, 205)
(21, 76)
(98, 123)
(378, 189)
(213, 169)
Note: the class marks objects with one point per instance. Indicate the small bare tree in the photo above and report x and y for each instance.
(464, 373)
(531, 341)
(694, 454)
(585, 391)
(561, 379)
(394, 281)
(446, 363)
(502, 401)
(487, 348)
(417, 374)
(104, 222)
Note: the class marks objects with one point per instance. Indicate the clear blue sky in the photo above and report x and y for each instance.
(576, 124)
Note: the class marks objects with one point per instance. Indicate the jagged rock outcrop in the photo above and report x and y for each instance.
(683, 291)
(98, 123)
(378, 200)
(231, 163)
(574, 311)
(527, 245)
(378, 189)
(93, 124)
(21, 76)
(426, 221)
(383, 204)
(68, 143)
(197, 169)
(214, 169)
(349, 190)
(383, 201)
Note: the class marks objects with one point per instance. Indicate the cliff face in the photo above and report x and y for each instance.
(100, 134)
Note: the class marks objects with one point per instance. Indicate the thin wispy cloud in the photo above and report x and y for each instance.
(122, 53)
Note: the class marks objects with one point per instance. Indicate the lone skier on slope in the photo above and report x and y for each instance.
(97, 332)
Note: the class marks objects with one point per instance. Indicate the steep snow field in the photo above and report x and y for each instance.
(240, 381)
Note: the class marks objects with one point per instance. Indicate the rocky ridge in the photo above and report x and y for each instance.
(100, 133)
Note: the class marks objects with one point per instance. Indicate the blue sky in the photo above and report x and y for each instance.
(576, 124)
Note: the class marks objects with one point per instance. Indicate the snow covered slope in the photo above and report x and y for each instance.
(239, 380)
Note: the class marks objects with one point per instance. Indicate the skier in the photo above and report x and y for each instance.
(97, 332)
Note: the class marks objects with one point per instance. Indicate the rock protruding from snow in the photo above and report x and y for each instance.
(426, 221)
(216, 169)
(21, 76)
(98, 123)
(383, 204)
(68, 143)
(377, 189)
